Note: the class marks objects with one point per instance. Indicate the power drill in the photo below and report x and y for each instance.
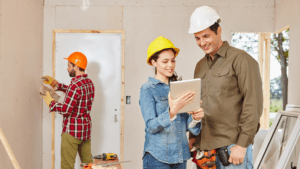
(106, 156)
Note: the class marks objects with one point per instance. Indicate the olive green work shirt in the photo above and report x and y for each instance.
(232, 98)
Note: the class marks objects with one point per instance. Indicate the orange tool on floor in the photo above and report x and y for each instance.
(86, 165)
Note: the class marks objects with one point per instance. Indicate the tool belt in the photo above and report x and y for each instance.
(223, 155)
(205, 159)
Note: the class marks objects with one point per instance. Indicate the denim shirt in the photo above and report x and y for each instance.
(166, 140)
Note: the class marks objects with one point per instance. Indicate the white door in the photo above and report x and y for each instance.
(104, 55)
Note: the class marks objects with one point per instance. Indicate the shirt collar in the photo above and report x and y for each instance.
(78, 78)
(222, 51)
(154, 81)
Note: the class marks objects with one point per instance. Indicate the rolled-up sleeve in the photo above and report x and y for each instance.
(195, 130)
(154, 123)
(250, 86)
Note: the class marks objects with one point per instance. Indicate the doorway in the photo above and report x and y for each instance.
(105, 54)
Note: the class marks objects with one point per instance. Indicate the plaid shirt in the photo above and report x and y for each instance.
(76, 107)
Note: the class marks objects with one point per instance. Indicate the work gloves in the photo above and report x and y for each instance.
(48, 99)
(50, 81)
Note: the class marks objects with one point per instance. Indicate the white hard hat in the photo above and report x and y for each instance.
(202, 18)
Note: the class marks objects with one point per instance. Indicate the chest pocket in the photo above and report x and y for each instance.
(221, 80)
(161, 103)
(220, 73)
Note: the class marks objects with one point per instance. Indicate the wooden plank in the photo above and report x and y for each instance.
(264, 52)
(261, 42)
(87, 31)
(261, 54)
(8, 150)
(283, 29)
(53, 140)
(53, 113)
(263, 116)
(265, 43)
(267, 79)
(122, 99)
(280, 30)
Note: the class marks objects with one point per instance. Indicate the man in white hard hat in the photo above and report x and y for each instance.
(231, 93)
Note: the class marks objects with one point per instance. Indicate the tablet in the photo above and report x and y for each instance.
(177, 88)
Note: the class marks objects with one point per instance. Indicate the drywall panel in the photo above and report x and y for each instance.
(247, 19)
(1, 74)
(49, 22)
(277, 2)
(2, 149)
(94, 17)
(21, 117)
(180, 3)
(287, 13)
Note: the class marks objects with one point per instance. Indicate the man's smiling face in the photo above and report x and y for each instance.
(209, 41)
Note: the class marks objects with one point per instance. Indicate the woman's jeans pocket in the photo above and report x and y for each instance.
(150, 162)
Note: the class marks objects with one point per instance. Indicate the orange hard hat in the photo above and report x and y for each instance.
(78, 59)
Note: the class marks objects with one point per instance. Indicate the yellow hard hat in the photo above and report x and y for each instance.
(159, 44)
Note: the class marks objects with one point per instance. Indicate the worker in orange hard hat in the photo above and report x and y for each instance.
(78, 59)
(76, 109)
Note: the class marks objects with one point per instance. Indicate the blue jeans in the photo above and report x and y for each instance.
(150, 162)
(247, 163)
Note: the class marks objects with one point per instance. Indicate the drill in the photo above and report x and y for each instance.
(106, 156)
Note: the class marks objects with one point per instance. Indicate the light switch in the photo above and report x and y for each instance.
(127, 99)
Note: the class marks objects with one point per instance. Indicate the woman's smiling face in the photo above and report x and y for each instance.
(165, 64)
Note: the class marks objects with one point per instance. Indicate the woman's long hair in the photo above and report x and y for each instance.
(155, 56)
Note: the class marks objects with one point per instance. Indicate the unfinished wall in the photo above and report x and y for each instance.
(143, 21)
(287, 13)
(21, 38)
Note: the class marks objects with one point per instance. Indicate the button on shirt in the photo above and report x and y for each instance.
(76, 107)
(232, 99)
(165, 139)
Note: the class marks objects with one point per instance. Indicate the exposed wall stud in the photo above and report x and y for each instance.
(264, 52)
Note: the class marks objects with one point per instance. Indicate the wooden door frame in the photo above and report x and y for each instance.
(122, 83)
(264, 52)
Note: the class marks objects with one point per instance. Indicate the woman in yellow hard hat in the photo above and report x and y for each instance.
(166, 144)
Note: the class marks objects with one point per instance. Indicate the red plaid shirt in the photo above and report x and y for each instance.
(76, 107)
